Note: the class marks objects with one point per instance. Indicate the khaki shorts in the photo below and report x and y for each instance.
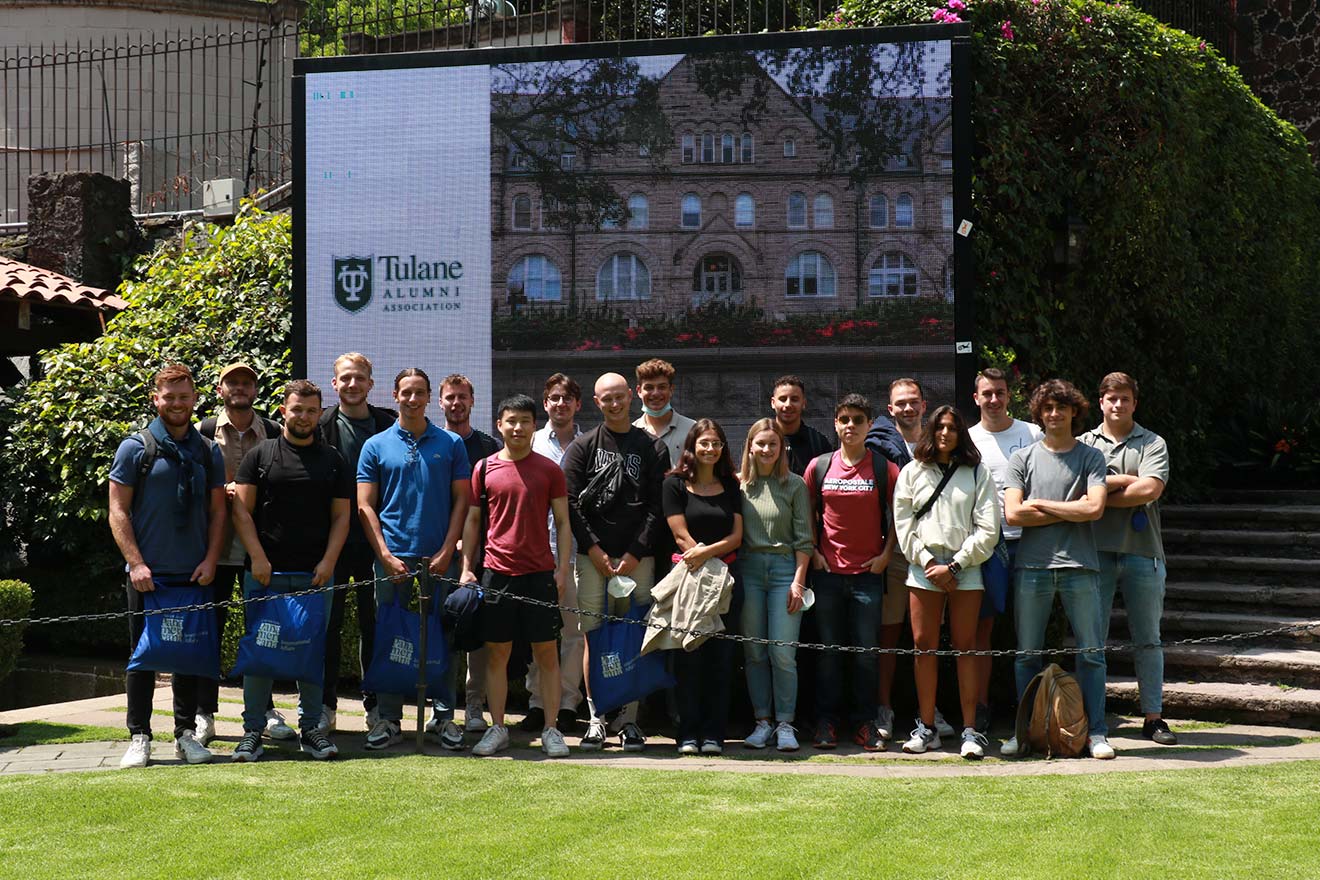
(591, 590)
(896, 591)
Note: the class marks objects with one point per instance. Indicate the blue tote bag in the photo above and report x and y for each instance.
(178, 642)
(619, 675)
(996, 572)
(394, 658)
(286, 635)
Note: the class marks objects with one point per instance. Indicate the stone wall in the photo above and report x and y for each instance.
(1279, 55)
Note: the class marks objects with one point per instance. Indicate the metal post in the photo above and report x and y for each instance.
(423, 606)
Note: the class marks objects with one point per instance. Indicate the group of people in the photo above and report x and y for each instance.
(889, 521)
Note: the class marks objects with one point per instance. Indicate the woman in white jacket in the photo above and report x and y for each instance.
(947, 520)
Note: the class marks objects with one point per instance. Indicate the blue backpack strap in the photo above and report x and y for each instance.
(149, 452)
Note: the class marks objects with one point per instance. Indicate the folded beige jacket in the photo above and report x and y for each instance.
(688, 600)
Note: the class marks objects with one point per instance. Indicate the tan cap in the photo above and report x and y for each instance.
(234, 368)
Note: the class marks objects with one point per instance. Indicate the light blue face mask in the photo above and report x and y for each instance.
(657, 413)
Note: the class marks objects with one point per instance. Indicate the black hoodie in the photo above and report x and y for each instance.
(631, 525)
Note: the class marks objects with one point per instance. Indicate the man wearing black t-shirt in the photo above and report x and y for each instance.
(346, 426)
(298, 489)
(788, 399)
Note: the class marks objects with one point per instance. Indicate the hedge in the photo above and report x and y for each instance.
(1200, 273)
(15, 603)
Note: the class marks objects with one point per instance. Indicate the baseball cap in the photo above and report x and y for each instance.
(234, 368)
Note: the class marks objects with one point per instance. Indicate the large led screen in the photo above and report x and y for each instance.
(742, 207)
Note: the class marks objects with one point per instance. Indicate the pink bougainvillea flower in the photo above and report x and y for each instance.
(957, 5)
(1086, 18)
(713, 340)
(1006, 29)
(1201, 46)
(683, 337)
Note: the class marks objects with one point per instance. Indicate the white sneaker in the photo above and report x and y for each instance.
(495, 740)
(139, 752)
(973, 744)
(759, 738)
(552, 743)
(712, 747)
(475, 723)
(1010, 748)
(594, 739)
(884, 722)
(328, 718)
(922, 740)
(276, 728)
(942, 727)
(446, 732)
(786, 737)
(689, 747)
(205, 729)
(383, 735)
(187, 748)
(1100, 748)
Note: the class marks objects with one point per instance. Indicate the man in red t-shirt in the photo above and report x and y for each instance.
(854, 541)
(521, 489)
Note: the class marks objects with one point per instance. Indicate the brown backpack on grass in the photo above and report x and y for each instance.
(1051, 715)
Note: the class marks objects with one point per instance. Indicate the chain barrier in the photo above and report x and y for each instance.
(1309, 627)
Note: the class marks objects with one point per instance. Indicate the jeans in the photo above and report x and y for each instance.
(1033, 601)
(1141, 578)
(771, 670)
(140, 684)
(227, 577)
(356, 562)
(847, 610)
(256, 689)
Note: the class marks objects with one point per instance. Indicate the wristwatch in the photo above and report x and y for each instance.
(954, 568)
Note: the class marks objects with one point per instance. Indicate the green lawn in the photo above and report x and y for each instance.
(411, 816)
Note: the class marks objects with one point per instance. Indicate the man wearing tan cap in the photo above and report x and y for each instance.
(236, 430)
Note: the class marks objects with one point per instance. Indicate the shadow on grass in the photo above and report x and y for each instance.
(40, 733)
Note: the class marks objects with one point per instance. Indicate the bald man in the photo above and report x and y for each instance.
(618, 539)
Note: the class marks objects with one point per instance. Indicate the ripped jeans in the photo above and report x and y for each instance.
(847, 612)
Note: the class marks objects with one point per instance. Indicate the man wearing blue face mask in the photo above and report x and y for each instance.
(1128, 538)
(655, 386)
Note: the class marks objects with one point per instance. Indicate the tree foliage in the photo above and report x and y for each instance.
(209, 297)
(1200, 272)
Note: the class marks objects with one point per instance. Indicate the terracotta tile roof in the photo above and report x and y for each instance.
(21, 281)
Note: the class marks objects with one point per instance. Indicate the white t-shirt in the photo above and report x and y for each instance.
(996, 448)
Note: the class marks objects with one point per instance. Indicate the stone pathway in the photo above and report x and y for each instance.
(1199, 747)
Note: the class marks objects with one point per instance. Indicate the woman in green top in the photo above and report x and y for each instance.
(776, 550)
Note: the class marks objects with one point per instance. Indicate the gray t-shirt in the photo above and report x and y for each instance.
(1051, 476)
(1142, 453)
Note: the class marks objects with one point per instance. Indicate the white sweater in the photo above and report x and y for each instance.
(962, 527)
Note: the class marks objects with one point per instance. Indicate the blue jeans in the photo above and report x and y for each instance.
(847, 612)
(1033, 601)
(390, 706)
(257, 690)
(1141, 578)
(771, 670)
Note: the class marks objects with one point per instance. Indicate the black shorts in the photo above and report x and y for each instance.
(505, 619)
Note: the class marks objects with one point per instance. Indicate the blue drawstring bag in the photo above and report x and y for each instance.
(996, 572)
(618, 674)
(393, 667)
(286, 635)
(178, 642)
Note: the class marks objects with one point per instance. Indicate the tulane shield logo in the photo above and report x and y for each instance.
(353, 282)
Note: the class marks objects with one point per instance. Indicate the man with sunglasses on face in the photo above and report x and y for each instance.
(854, 543)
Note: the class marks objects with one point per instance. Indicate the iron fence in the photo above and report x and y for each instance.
(171, 109)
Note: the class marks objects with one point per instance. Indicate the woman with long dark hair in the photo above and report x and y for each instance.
(947, 519)
(703, 506)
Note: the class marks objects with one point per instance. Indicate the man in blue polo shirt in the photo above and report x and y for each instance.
(412, 497)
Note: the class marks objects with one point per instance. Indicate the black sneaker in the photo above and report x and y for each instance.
(315, 743)
(249, 748)
(534, 722)
(826, 738)
(631, 738)
(566, 721)
(1157, 729)
(868, 737)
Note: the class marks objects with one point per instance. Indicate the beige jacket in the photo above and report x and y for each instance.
(963, 526)
(688, 600)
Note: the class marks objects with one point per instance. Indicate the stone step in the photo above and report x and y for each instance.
(1260, 597)
(1227, 701)
(1179, 623)
(1243, 569)
(1267, 496)
(1243, 542)
(1296, 666)
(1216, 516)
